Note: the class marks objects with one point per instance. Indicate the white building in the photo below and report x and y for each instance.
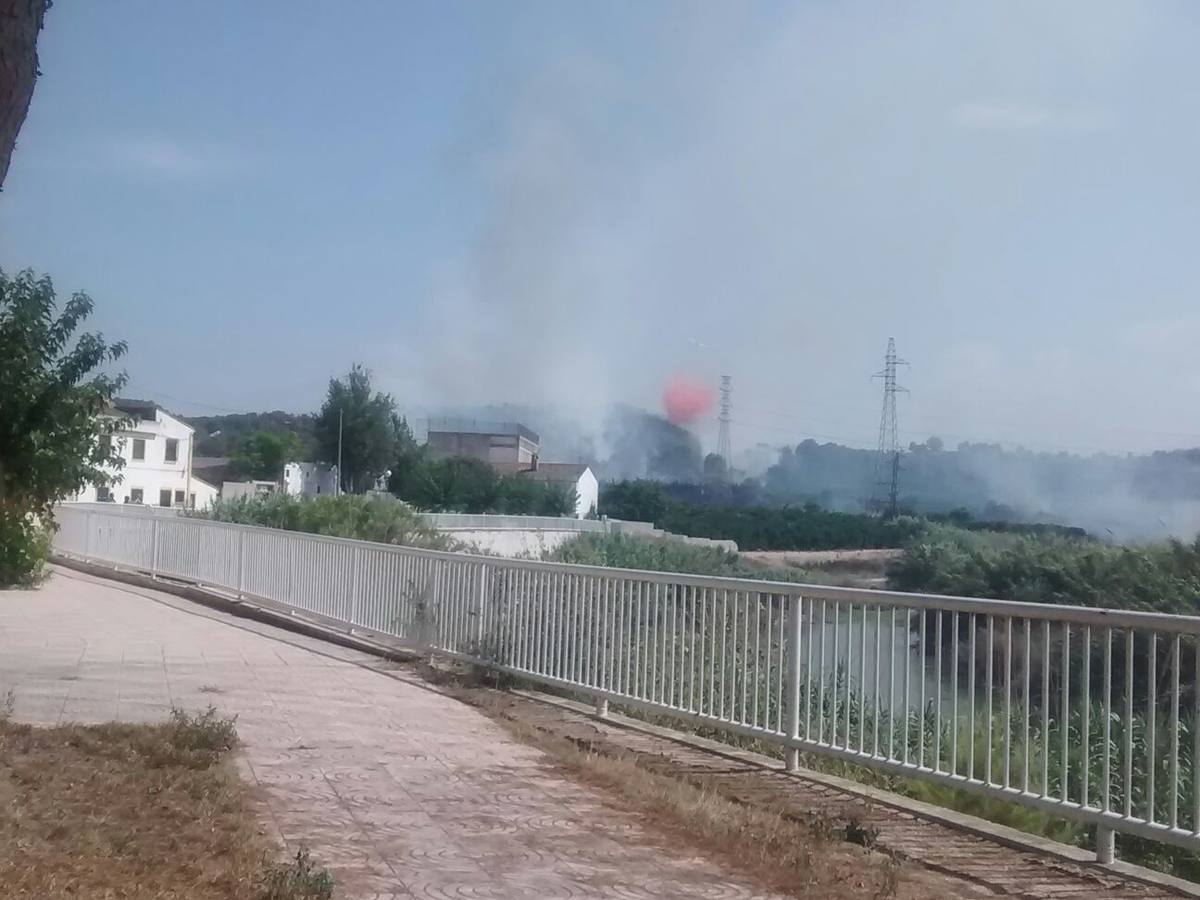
(576, 475)
(157, 449)
(306, 479)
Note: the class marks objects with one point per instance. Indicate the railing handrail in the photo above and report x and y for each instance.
(1081, 692)
(1111, 617)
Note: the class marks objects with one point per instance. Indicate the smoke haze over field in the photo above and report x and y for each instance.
(560, 205)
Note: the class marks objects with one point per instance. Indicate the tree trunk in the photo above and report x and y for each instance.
(20, 22)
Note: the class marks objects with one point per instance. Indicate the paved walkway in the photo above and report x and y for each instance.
(400, 791)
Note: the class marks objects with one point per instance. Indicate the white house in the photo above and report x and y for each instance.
(157, 449)
(576, 475)
(307, 479)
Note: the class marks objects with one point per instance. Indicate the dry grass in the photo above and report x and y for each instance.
(145, 812)
(800, 859)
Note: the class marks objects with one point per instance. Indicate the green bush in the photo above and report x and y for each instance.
(381, 519)
(24, 548)
(755, 527)
(465, 485)
(1051, 569)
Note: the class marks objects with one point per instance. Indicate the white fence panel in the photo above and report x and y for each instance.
(1088, 714)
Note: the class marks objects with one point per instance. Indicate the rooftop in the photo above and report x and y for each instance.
(476, 426)
(556, 472)
(137, 409)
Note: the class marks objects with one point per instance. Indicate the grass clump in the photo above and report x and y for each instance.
(297, 879)
(141, 812)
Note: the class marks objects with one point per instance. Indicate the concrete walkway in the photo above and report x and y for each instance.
(400, 791)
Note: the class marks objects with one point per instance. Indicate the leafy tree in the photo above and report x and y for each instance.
(369, 428)
(20, 22)
(521, 495)
(638, 501)
(715, 468)
(55, 436)
(224, 435)
(263, 454)
(462, 484)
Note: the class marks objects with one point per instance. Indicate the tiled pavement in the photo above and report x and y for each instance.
(400, 791)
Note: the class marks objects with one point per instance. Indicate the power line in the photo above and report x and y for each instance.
(724, 444)
(886, 494)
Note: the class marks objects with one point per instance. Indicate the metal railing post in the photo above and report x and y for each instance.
(241, 562)
(154, 547)
(795, 624)
(87, 535)
(1105, 844)
(479, 604)
(352, 599)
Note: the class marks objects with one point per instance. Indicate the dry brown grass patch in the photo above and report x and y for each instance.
(127, 811)
(800, 859)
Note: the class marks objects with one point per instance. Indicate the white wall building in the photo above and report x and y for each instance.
(157, 449)
(306, 479)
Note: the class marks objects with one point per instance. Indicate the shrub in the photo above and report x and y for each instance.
(1051, 569)
(380, 519)
(24, 548)
(755, 527)
(298, 879)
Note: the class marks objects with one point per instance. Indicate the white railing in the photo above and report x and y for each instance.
(1089, 714)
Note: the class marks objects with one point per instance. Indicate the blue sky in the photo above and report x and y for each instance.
(564, 203)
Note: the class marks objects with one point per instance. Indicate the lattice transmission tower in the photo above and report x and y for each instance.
(724, 444)
(885, 496)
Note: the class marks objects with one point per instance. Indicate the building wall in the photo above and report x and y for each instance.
(236, 490)
(534, 535)
(305, 479)
(587, 491)
(154, 473)
(493, 448)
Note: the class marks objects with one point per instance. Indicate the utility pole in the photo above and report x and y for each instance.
(724, 444)
(339, 464)
(885, 496)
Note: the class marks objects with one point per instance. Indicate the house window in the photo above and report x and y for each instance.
(172, 450)
(179, 498)
(106, 444)
(164, 497)
(136, 495)
(139, 448)
(191, 501)
(103, 494)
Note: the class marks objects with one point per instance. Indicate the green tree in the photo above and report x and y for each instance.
(639, 501)
(263, 454)
(55, 436)
(368, 424)
(715, 468)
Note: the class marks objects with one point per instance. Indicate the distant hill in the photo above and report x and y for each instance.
(221, 435)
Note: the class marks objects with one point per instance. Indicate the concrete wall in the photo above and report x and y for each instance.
(534, 535)
(496, 448)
